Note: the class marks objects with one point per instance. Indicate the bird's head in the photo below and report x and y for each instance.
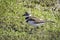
(26, 14)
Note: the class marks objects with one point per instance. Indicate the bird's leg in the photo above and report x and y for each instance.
(30, 32)
(41, 26)
(35, 28)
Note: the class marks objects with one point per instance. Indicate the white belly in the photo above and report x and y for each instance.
(33, 24)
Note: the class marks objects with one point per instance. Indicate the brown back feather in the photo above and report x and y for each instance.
(37, 20)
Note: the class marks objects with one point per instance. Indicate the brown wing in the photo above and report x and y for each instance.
(37, 20)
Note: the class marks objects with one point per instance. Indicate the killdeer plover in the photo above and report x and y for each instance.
(33, 20)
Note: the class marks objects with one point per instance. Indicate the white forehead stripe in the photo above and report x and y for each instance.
(29, 15)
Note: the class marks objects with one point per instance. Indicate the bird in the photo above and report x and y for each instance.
(34, 21)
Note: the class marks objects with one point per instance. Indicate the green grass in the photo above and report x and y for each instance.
(14, 27)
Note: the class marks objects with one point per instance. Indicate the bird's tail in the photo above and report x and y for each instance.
(50, 21)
